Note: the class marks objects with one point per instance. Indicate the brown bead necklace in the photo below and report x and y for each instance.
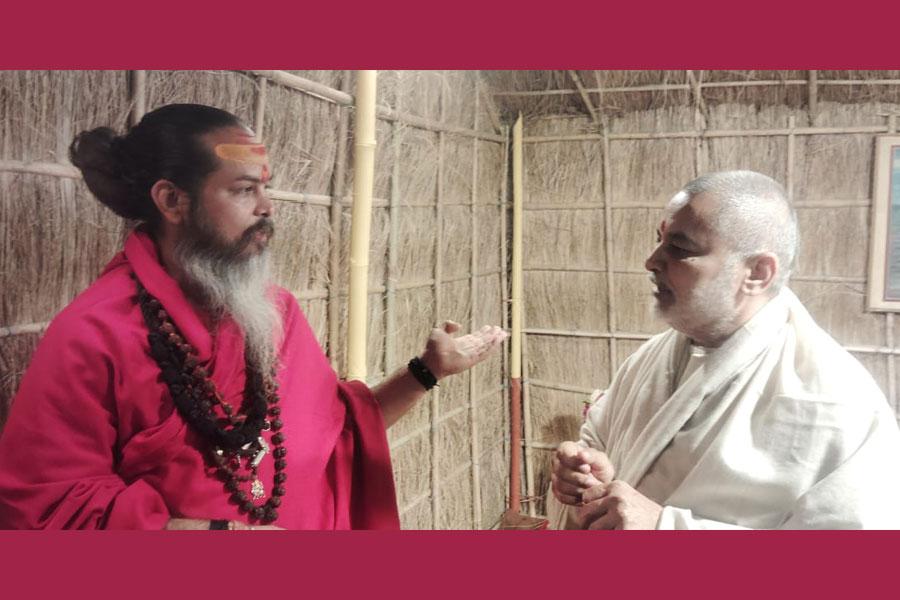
(236, 446)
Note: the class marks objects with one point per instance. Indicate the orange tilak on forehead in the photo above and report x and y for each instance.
(253, 154)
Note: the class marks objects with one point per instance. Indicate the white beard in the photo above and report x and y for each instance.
(224, 282)
(710, 311)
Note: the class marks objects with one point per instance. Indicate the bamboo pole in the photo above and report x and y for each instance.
(40, 168)
(259, 112)
(686, 87)
(592, 112)
(473, 286)
(390, 299)
(363, 176)
(504, 290)
(813, 92)
(325, 92)
(302, 84)
(527, 431)
(889, 320)
(699, 123)
(674, 135)
(490, 106)
(336, 218)
(610, 276)
(23, 329)
(791, 149)
(515, 358)
(437, 315)
(562, 387)
(137, 93)
(437, 126)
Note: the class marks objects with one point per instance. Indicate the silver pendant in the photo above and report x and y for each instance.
(263, 450)
(257, 490)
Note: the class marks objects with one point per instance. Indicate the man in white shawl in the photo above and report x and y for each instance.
(745, 414)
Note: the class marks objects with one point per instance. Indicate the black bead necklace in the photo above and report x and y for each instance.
(232, 438)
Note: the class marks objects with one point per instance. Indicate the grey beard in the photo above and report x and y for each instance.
(225, 284)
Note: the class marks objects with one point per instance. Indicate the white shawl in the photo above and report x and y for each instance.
(797, 435)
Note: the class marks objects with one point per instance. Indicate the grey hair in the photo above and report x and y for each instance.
(753, 216)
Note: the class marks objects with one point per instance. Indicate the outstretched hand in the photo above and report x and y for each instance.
(447, 355)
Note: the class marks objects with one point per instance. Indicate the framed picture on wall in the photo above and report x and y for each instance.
(884, 254)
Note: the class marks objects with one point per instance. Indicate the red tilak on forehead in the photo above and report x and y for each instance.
(254, 154)
(250, 153)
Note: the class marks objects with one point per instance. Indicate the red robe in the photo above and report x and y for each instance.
(94, 440)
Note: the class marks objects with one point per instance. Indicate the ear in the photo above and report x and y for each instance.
(762, 269)
(171, 201)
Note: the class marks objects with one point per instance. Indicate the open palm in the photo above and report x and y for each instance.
(447, 355)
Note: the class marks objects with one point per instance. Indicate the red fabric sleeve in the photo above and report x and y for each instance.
(58, 451)
(373, 500)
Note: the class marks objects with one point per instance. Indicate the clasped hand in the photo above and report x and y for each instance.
(583, 478)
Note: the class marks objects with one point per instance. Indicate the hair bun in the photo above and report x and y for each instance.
(96, 154)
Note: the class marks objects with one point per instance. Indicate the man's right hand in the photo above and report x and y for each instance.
(576, 469)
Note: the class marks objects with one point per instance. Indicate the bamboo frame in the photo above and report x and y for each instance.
(700, 112)
(437, 315)
(813, 96)
(137, 93)
(610, 276)
(527, 430)
(711, 133)
(259, 111)
(342, 98)
(592, 112)
(336, 218)
(686, 87)
(889, 319)
(363, 177)
(504, 290)
(491, 107)
(411, 435)
(473, 295)
(517, 395)
(390, 299)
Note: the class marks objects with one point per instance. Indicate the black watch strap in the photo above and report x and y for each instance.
(421, 373)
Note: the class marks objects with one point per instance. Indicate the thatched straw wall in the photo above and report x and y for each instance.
(587, 296)
(435, 252)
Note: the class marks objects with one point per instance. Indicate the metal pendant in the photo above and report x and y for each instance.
(257, 490)
(263, 450)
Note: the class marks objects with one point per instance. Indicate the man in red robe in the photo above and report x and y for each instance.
(182, 390)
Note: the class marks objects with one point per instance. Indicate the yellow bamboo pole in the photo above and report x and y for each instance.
(363, 181)
(515, 358)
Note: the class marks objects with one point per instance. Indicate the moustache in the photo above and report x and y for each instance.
(264, 225)
(659, 284)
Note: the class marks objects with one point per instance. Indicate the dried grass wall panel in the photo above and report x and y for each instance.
(54, 237)
(640, 170)
(234, 92)
(434, 183)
